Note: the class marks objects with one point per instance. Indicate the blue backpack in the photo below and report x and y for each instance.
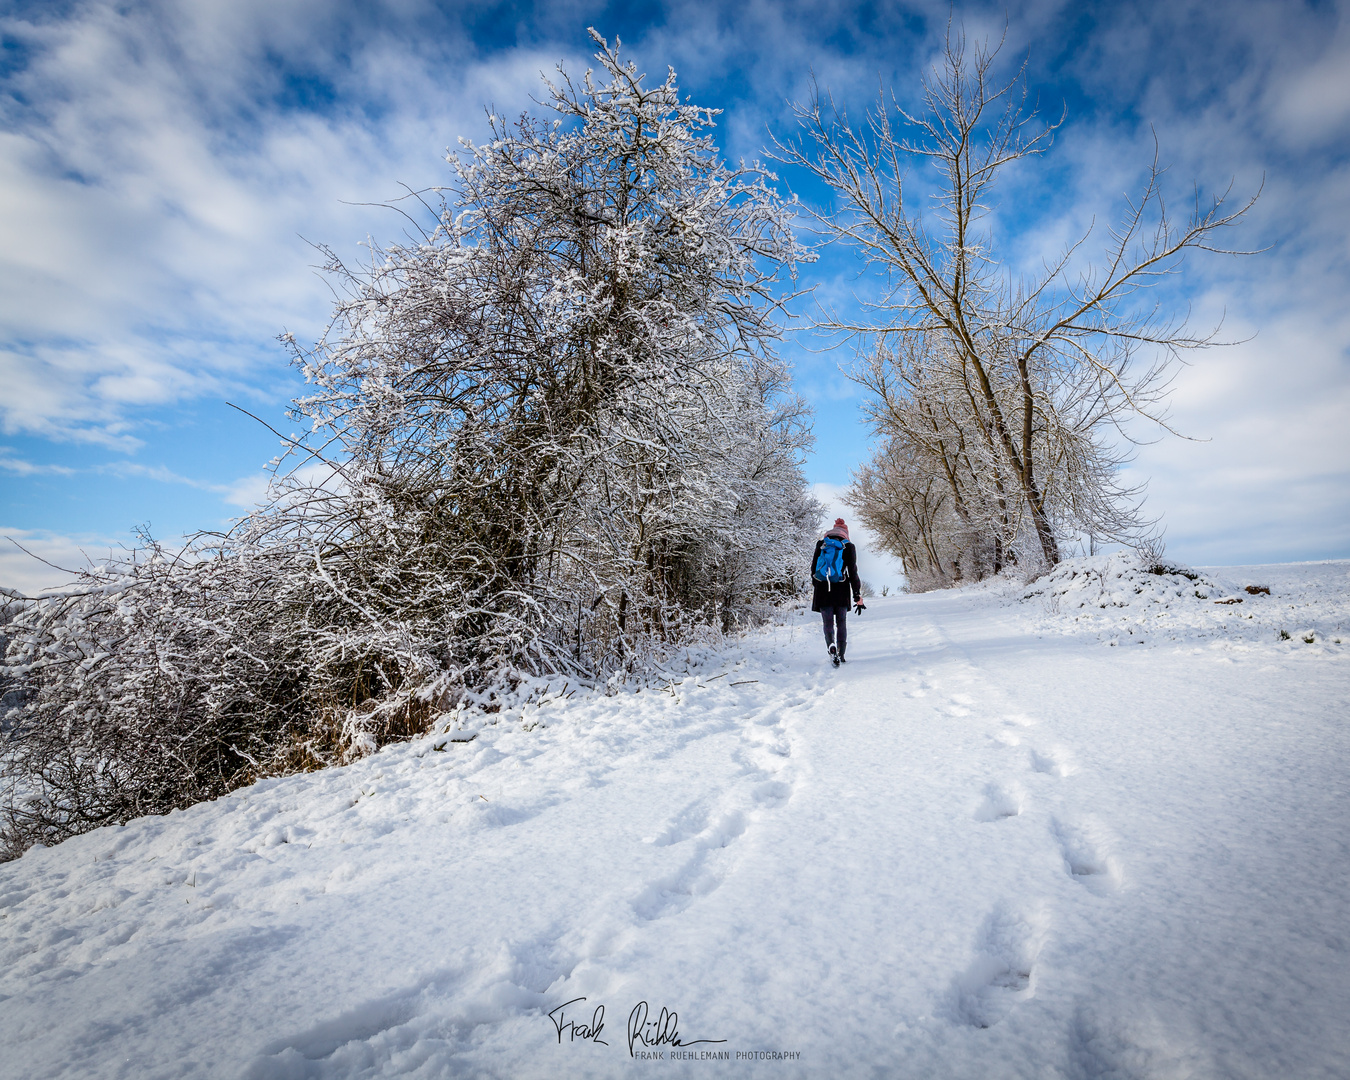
(830, 562)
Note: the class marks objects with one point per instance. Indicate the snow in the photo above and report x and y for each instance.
(992, 844)
(1112, 596)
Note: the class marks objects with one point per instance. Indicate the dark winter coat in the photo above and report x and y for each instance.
(827, 594)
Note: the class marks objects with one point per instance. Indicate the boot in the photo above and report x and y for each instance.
(834, 655)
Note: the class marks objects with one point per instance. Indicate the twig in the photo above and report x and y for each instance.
(39, 558)
(298, 445)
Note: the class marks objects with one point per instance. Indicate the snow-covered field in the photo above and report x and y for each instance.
(994, 844)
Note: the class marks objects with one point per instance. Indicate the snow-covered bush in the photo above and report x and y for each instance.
(553, 436)
(144, 687)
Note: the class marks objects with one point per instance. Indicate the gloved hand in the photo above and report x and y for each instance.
(859, 606)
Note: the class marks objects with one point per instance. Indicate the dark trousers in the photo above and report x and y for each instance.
(836, 623)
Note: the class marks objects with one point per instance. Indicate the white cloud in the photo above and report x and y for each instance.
(48, 557)
(249, 492)
(154, 195)
(20, 467)
(1269, 480)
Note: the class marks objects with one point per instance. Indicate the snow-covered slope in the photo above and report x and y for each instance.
(1114, 597)
(990, 845)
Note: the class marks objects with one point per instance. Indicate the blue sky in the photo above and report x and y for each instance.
(163, 166)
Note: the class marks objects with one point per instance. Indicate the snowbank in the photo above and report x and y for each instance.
(1121, 601)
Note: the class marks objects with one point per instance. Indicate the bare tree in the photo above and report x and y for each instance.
(1023, 383)
(936, 489)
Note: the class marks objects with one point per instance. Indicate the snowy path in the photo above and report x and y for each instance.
(971, 852)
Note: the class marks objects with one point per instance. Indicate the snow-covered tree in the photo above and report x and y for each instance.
(570, 382)
(1010, 391)
(551, 437)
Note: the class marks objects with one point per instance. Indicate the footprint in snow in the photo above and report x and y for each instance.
(673, 893)
(772, 793)
(763, 763)
(1054, 762)
(768, 754)
(1003, 972)
(347, 1035)
(1086, 847)
(1125, 1039)
(707, 830)
(688, 822)
(1000, 802)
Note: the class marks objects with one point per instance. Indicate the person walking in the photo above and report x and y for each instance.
(834, 571)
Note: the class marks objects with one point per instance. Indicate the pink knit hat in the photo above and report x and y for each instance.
(839, 528)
